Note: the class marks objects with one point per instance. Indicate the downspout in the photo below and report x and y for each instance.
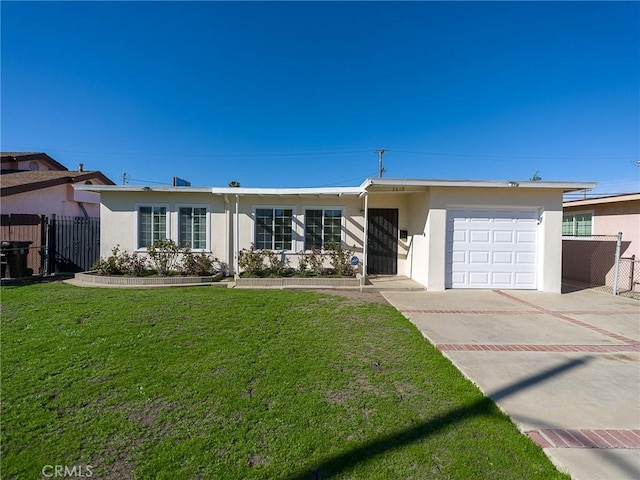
(365, 247)
(84, 210)
(236, 242)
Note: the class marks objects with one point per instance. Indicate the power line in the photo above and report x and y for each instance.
(510, 157)
(317, 153)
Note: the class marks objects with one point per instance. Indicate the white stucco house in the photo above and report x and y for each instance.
(441, 233)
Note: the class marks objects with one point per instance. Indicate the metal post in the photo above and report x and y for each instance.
(617, 264)
(236, 241)
(46, 247)
(365, 249)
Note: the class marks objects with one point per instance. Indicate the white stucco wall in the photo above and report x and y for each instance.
(422, 214)
(547, 201)
(119, 227)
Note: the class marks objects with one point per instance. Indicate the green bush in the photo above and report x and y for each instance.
(201, 264)
(340, 259)
(163, 255)
(121, 263)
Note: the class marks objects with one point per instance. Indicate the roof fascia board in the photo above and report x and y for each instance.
(566, 186)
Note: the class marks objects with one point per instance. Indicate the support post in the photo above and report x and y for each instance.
(236, 241)
(616, 269)
(365, 246)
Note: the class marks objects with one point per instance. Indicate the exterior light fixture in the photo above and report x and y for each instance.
(514, 184)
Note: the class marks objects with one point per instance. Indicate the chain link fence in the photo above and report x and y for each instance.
(595, 261)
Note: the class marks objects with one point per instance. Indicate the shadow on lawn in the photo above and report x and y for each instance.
(333, 466)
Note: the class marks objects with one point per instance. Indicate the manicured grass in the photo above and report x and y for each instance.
(214, 383)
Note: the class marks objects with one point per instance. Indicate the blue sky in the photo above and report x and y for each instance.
(286, 94)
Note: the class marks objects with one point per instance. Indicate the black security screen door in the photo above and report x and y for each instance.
(382, 252)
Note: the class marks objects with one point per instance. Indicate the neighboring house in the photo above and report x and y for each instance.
(34, 183)
(441, 233)
(590, 256)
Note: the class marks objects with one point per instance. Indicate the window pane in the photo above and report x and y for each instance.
(583, 224)
(264, 228)
(199, 228)
(332, 226)
(312, 229)
(184, 227)
(282, 229)
(567, 225)
(159, 223)
(152, 225)
(144, 227)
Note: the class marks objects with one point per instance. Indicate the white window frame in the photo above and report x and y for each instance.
(303, 216)
(137, 222)
(294, 222)
(208, 224)
(574, 213)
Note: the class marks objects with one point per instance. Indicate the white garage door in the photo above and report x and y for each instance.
(491, 249)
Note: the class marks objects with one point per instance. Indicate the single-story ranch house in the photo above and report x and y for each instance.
(441, 233)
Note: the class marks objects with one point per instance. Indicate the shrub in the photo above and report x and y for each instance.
(340, 259)
(120, 263)
(303, 263)
(201, 264)
(276, 266)
(251, 260)
(316, 260)
(163, 255)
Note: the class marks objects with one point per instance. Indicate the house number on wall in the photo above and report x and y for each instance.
(398, 189)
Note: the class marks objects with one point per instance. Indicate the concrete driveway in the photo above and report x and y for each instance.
(565, 368)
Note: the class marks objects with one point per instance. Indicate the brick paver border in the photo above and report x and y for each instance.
(474, 347)
(585, 438)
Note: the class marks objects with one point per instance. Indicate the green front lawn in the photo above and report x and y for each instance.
(212, 383)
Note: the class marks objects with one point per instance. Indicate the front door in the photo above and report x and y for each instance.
(382, 245)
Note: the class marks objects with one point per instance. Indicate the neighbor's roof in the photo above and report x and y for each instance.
(26, 156)
(626, 197)
(370, 184)
(26, 181)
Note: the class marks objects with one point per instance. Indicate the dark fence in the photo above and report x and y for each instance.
(74, 243)
(40, 245)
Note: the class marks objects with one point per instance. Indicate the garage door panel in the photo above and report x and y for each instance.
(526, 237)
(491, 249)
(501, 278)
(503, 236)
(525, 279)
(479, 257)
(479, 279)
(525, 258)
(459, 256)
(479, 236)
(502, 257)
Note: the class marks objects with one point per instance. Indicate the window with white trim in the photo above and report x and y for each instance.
(153, 224)
(579, 224)
(274, 228)
(192, 227)
(322, 226)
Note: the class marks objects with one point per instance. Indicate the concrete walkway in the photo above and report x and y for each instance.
(565, 368)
